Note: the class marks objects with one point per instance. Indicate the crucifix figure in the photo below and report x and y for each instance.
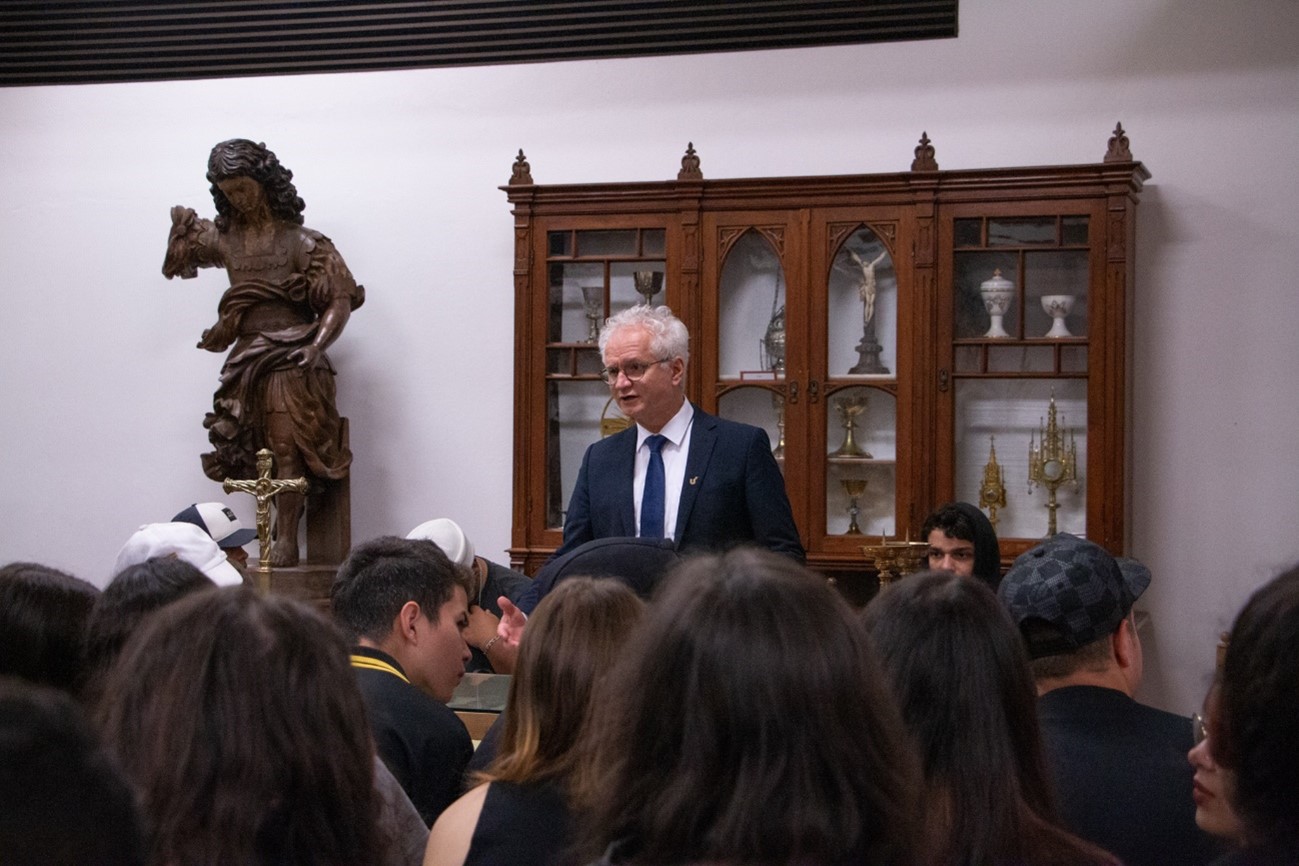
(264, 488)
(868, 350)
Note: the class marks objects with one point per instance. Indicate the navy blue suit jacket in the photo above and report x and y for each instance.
(733, 492)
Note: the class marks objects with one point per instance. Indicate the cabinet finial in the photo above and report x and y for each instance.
(924, 160)
(690, 164)
(522, 173)
(1118, 150)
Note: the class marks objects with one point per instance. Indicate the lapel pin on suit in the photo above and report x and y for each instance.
(693, 480)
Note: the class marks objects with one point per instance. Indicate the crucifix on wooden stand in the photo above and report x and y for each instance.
(264, 488)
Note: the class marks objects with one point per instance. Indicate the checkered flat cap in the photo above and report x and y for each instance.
(1076, 587)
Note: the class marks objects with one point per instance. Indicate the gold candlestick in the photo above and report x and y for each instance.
(1051, 463)
(894, 559)
(992, 492)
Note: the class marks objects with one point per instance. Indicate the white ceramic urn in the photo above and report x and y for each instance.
(998, 293)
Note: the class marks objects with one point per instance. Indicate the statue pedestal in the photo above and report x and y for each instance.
(308, 583)
(329, 539)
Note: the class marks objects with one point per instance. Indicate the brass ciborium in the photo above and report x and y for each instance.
(648, 284)
(849, 408)
(894, 559)
(854, 487)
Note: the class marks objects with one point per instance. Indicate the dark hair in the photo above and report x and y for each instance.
(572, 640)
(43, 613)
(240, 157)
(747, 721)
(241, 724)
(64, 801)
(1095, 656)
(1256, 731)
(966, 522)
(135, 592)
(381, 575)
(960, 672)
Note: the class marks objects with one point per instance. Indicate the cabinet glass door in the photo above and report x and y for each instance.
(752, 340)
(859, 406)
(1020, 328)
(592, 274)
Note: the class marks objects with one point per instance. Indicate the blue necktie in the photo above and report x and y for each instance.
(652, 499)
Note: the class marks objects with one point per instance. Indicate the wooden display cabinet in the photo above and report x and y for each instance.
(845, 316)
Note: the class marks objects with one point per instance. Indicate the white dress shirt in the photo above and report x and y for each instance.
(675, 452)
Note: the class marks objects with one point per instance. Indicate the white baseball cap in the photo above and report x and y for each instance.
(184, 541)
(447, 534)
(218, 521)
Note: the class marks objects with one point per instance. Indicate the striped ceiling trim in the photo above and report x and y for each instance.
(77, 42)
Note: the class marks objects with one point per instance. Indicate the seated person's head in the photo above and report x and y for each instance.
(1073, 604)
(747, 721)
(572, 641)
(961, 675)
(961, 540)
(1255, 733)
(181, 540)
(1214, 785)
(220, 522)
(63, 802)
(130, 596)
(404, 597)
(958, 667)
(240, 723)
(43, 614)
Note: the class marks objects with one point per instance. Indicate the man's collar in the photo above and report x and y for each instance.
(675, 430)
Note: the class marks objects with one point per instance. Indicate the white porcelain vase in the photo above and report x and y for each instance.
(1058, 307)
(998, 293)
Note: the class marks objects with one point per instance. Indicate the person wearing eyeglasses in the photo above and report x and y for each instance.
(961, 540)
(707, 483)
(1214, 785)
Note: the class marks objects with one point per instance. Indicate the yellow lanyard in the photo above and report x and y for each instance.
(370, 664)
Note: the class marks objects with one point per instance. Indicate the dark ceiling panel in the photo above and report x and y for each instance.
(77, 42)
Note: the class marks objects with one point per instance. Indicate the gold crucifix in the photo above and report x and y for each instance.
(263, 488)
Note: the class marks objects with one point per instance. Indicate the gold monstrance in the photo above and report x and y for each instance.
(264, 488)
(992, 492)
(1050, 463)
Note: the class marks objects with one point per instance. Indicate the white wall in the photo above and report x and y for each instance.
(104, 390)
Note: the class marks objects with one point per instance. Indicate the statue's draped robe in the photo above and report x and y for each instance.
(273, 307)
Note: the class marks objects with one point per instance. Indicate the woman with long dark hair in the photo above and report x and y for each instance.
(961, 674)
(239, 722)
(748, 723)
(1254, 732)
(521, 814)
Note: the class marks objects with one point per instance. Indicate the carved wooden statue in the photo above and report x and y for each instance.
(290, 296)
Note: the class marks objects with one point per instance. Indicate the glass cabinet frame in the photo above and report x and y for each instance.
(852, 318)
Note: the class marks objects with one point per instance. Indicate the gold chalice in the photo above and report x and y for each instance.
(854, 487)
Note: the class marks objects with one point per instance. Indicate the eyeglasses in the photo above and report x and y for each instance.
(633, 370)
(1199, 729)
